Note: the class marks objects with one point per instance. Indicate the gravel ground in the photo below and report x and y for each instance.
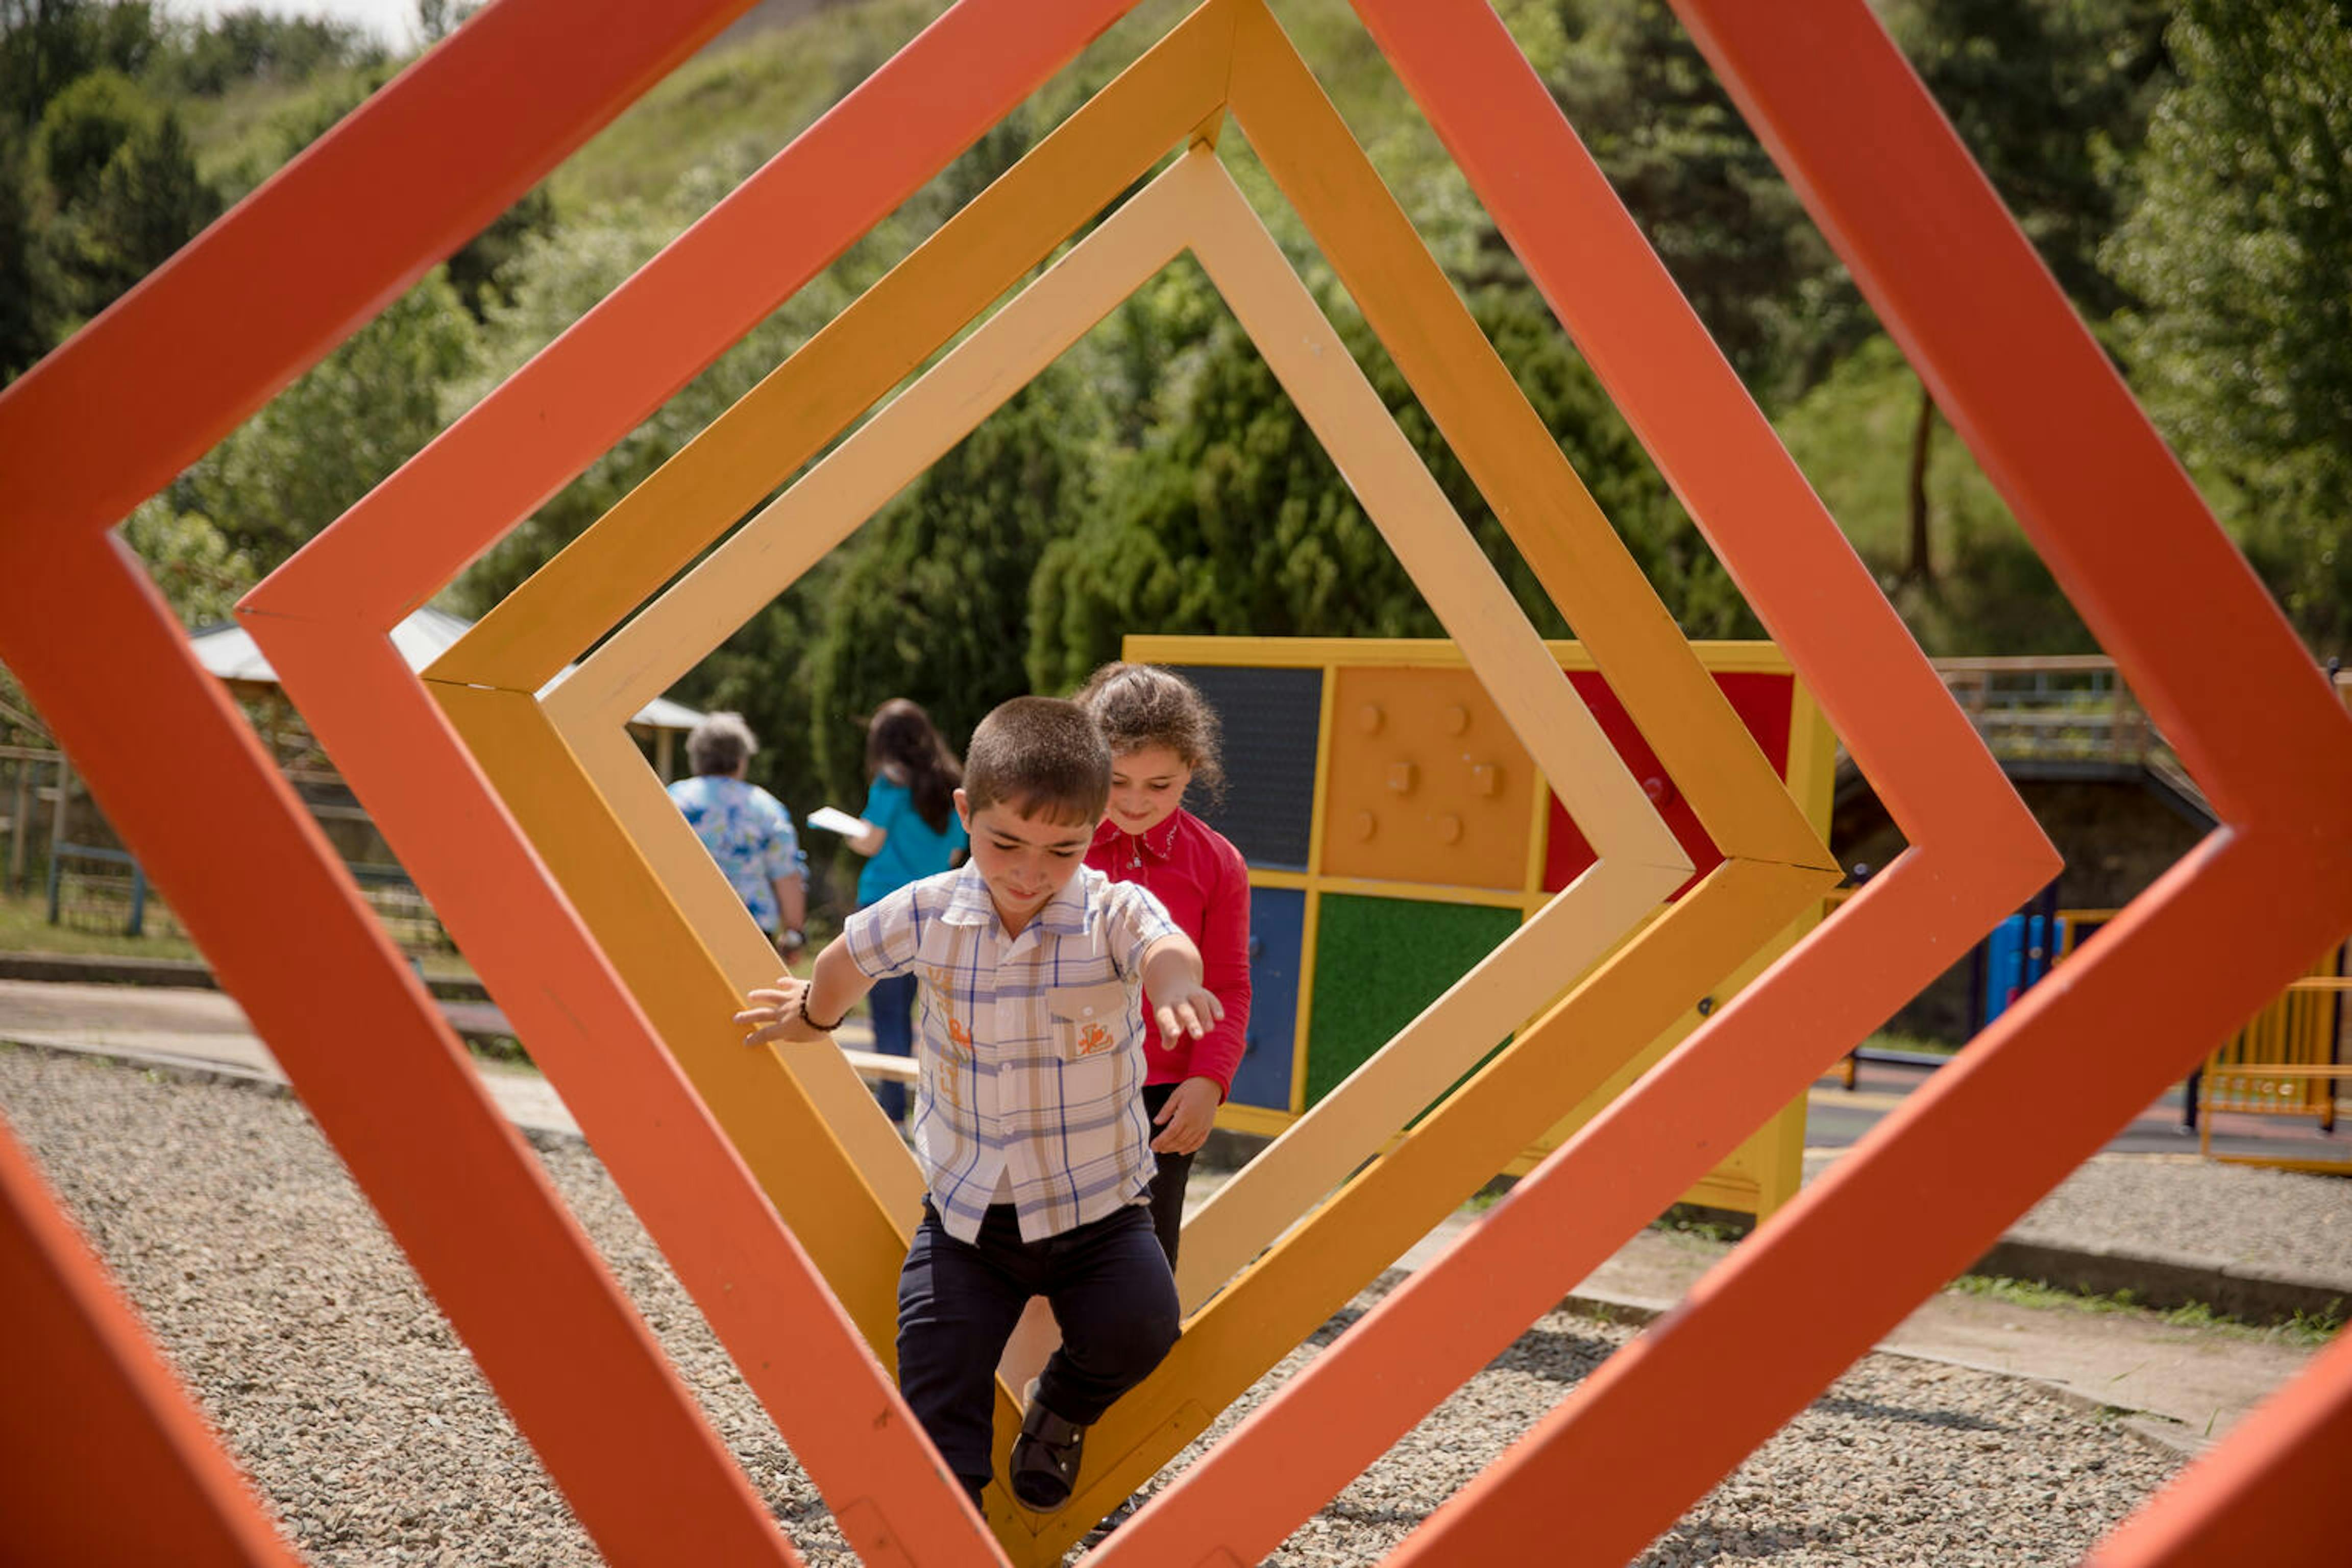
(343, 1393)
(2282, 1223)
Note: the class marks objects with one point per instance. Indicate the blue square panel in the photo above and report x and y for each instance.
(1277, 927)
(1272, 719)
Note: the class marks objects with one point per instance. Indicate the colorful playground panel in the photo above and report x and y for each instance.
(1380, 941)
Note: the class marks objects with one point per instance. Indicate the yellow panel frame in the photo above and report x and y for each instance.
(1230, 51)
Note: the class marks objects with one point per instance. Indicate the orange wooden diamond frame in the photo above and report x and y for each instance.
(82, 438)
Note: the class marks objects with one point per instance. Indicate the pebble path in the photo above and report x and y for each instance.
(342, 1391)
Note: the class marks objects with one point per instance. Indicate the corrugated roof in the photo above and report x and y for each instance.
(229, 652)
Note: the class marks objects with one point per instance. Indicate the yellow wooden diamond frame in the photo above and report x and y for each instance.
(1229, 53)
(1193, 205)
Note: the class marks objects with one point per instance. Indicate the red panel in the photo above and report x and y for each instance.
(1762, 699)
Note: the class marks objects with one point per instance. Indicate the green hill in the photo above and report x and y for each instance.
(1137, 486)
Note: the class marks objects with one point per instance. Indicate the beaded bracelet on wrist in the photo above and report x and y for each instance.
(811, 1022)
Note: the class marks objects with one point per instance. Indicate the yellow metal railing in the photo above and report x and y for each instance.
(2286, 1061)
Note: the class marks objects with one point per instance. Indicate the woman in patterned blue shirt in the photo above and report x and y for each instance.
(746, 830)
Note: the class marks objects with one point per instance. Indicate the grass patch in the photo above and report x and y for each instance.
(244, 135)
(25, 928)
(1704, 1223)
(751, 98)
(2305, 1329)
(1490, 1195)
(1890, 1040)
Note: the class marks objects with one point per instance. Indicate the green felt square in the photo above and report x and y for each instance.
(1378, 963)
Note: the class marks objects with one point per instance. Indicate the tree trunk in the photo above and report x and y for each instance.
(1921, 566)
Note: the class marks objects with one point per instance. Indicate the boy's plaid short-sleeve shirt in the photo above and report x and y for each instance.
(1030, 1048)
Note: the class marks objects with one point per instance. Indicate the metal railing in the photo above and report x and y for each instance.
(2073, 708)
(102, 890)
(2287, 1061)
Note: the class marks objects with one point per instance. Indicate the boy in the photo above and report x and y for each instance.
(1029, 1119)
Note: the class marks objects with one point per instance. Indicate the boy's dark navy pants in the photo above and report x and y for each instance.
(1112, 1295)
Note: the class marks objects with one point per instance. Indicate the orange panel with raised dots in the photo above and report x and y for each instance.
(1426, 783)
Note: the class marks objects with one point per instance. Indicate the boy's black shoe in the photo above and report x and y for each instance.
(1045, 1465)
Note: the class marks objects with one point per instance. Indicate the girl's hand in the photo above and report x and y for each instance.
(777, 1015)
(1188, 1116)
(1193, 1010)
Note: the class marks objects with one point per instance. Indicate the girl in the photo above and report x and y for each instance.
(1163, 737)
(911, 832)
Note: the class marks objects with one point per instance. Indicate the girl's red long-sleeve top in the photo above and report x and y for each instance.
(1190, 867)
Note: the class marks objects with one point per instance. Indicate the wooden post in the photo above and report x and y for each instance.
(19, 824)
(57, 813)
(58, 833)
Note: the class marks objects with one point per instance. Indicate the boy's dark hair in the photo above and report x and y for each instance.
(1141, 705)
(1042, 757)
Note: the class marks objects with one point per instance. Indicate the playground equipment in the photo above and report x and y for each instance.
(84, 436)
(1395, 832)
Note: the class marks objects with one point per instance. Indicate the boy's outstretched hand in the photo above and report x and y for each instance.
(1188, 1117)
(776, 1015)
(1192, 1009)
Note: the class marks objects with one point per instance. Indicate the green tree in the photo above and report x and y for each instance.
(250, 44)
(1993, 596)
(2243, 349)
(2051, 99)
(436, 19)
(1232, 519)
(24, 305)
(83, 128)
(933, 603)
(120, 193)
(149, 203)
(1706, 192)
(45, 45)
(199, 572)
(339, 431)
(482, 270)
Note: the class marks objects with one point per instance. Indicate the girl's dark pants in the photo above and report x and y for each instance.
(1113, 1298)
(1168, 1185)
